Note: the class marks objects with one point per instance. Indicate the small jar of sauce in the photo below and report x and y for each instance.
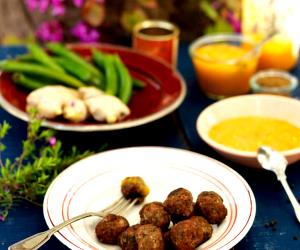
(273, 82)
(157, 38)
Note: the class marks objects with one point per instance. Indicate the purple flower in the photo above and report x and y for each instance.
(58, 10)
(43, 6)
(52, 141)
(234, 22)
(85, 33)
(2, 218)
(78, 3)
(32, 4)
(57, 6)
(50, 31)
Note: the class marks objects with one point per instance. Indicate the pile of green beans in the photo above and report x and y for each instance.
(38, 68)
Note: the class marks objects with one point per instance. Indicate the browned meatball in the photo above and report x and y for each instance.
(154, 213)
(179, 203)
(127, 239)
(167, 240)
(149, 237)
(110, 227)
(210, 205)
(205, 226)
(134, 187)
(176, 218)
(189, 234)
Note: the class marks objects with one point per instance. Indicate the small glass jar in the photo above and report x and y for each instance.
(276, 82)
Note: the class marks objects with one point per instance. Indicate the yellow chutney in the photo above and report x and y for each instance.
(248, 133)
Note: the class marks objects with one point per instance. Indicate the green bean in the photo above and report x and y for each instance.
(34, 69)
(136, 83)
(27, 82)
(60, 50)
(106, 61)
(125, 81)
(98, 58)
(26, 58)
(111, 80)
(74, 68)
(41, 56)
(43, 79)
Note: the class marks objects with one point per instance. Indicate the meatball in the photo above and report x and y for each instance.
(210, 205)
(154, 213)
(167, 240)
(127, 239)
(134, 187)
(205, 226)
(179, 204)
(149, 237)
(189, 234)
(176, 218)
(110, 227)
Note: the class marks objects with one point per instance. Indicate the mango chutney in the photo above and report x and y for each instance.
(248, 133)
(224, 69)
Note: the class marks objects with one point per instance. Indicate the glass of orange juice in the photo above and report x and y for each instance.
(224, 64)
(278, 53)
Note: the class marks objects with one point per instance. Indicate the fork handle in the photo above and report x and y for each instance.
(33, 242)
(37, 240)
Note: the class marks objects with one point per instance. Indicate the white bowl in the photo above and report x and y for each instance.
(272, 106)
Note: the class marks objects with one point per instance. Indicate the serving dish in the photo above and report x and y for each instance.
(94, 182)
(164, 92)
(264, 105)
(224, 63)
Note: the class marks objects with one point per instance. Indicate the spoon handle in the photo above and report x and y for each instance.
(291, 196)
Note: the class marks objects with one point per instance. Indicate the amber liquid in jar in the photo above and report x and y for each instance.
(273, 81)
(156, 31)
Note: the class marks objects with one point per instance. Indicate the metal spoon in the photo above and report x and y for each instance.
(259, 45)
(272, 160)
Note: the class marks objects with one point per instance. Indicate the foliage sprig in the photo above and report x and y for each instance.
(29, 175)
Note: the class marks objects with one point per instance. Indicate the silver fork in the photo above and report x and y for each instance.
(37, 240)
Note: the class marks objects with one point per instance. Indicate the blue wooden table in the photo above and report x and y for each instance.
(175, 130)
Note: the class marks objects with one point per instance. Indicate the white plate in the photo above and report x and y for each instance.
(94, 182)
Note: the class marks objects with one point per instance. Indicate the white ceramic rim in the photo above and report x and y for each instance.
(205, 137)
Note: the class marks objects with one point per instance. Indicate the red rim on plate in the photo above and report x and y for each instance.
(164, 92)
(72, 192)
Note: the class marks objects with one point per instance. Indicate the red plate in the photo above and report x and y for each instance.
(164, 92)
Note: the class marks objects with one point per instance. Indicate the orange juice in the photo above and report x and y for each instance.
(277, 54)
(224, 69)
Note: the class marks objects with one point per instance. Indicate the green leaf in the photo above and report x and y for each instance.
(219, 26)
(4, 127)
(208, 9)
(2, 147)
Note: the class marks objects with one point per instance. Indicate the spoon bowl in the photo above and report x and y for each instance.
(274, 161)
(271, 160)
